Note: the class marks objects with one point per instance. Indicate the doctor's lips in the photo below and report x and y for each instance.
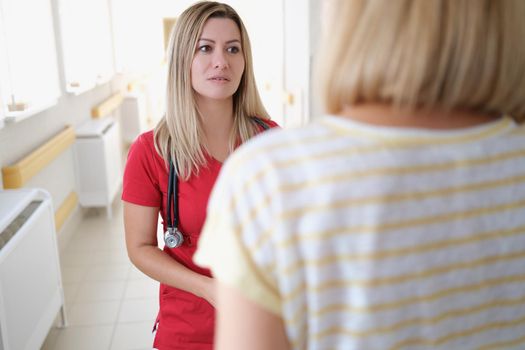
(219, 78)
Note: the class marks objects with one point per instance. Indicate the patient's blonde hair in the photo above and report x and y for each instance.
(425, 54)
(179, 134)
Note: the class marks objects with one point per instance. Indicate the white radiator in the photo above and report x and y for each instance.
(98, 159)
(31, 294)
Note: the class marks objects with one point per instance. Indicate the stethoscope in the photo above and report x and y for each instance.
(173, 237)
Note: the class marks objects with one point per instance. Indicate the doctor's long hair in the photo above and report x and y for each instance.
(179, 134)
(446, 54)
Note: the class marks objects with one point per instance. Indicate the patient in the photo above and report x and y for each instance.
(397, 221)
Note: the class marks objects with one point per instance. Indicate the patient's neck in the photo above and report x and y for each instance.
(385, 115)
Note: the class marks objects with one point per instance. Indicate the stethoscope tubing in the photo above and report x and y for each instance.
(173, 183)
(173, 237)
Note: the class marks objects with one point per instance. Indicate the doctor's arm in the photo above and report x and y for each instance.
(140, 223)
(243, 324)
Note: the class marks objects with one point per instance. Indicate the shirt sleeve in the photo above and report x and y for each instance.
(140, 184)
(223, 244)
(272, 124)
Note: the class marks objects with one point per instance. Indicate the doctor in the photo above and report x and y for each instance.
(212, 106)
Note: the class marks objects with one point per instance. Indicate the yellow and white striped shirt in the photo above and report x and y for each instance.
(367, 237)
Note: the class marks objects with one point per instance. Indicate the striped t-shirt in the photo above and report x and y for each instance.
(366, 237)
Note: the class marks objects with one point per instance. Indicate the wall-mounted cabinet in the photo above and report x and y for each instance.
(29, 80)
(87, 44)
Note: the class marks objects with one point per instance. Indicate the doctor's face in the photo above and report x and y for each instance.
(218, 63)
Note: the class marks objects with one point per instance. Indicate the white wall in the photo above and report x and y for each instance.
(314, 40)
(264, 21)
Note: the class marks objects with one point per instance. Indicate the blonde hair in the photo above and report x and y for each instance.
(179, 134)
(425, 54)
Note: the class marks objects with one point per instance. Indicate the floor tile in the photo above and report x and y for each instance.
(136, 310)
(115, 245)
(115, 272)
(141, 289)
(133, 336)
(91, 314)
(70, 293)
(51, 339)
(117, 257)
(84, 338)
(79, 259)
(73, 274)
(136, 274)
(106, 258)
(82, 244)
(100, 291)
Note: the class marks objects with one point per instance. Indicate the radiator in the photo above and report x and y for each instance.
(31, 293)
(98, 159)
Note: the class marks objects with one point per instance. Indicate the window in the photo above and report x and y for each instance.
(138, 36)
(28, 66)
(87, 44)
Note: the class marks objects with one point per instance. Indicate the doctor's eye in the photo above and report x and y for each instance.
(233, 49)
(204, 48)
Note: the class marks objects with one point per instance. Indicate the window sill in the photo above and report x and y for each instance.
(80, 89)
(15, 117)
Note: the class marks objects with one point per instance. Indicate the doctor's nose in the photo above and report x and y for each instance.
(220, 61)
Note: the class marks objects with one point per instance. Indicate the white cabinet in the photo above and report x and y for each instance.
(98, 163)
(31, 293)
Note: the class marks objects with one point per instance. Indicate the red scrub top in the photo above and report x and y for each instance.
(185, 321)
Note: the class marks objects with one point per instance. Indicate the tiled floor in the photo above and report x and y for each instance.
(109, 303)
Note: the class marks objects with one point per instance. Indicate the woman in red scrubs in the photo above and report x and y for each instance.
(212, 105)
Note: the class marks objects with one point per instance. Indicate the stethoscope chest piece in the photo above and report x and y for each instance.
(173, 238)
